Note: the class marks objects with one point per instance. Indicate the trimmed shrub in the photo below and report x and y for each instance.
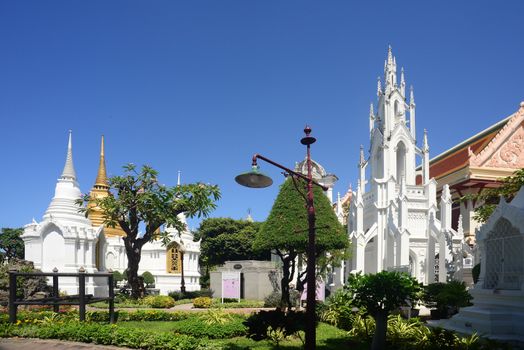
(202, 303)
(102, 334)
(195, 327)
(149, 279)
(289, 323)
(158, 301)
(177, 295)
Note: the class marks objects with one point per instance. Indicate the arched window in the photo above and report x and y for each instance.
(174, 257)
(396, 108)
(401, 161)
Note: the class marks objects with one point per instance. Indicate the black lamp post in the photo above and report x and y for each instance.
(256, 179)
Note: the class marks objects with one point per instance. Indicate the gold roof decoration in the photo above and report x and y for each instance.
(101, 190)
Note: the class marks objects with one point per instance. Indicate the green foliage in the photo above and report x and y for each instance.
(215, 316)
(476, 273)
(212, 325)
(177, 295)
(290, 323)
(490, 196)
(149, 279)
(139, 315)
(11, 244)
(275, 299)
(102, 334)
(286, 227)
(444, 296)
(141, 203)
(382, 292)
(235, 304)
(379, 294)
(202, 303)
(226, 239)
(286, 231)
(337, 310)
(158, 301)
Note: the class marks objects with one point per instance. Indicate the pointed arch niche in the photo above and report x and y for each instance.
(53, 249)
(401, 161)
(173, 258)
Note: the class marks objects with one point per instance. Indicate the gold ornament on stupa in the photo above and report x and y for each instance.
(101, 190)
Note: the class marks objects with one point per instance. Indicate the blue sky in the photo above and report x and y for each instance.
(199, 86)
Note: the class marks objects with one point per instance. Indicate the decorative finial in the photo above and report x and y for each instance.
(101, 177)
(379, 86)
(390, 54)
(178, 179)
(362, 159)
(411, 96)
(69, 169)
(402, 81)
(425, 145)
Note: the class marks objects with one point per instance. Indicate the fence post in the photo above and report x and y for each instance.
(12, 296)
(55, 291)
(111, 298)
(82, 293)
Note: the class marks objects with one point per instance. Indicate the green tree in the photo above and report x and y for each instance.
(286, 232)
(379, 294)
(140, 205)
(490, 197)
(11, 244)
(224, 239)
(149, 279)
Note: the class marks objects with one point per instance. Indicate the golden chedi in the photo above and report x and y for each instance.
(101, 190)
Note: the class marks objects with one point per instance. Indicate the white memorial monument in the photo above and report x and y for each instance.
(498, 295)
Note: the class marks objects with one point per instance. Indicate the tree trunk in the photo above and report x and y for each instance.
(284, 285)
(133, 260)
(379, 338)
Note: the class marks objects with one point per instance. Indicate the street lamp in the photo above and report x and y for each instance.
(256, 179)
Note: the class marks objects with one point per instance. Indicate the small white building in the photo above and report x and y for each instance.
(498, 295)
(65, 239)
(395, 223)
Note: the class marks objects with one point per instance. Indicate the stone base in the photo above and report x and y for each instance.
(497, 314)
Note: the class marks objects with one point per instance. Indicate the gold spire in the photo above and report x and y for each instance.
(101, 190)
(101, 178)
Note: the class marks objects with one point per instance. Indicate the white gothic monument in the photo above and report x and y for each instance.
(65, 239)
(395, 223)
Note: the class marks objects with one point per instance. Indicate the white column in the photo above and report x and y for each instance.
(430, 260)
(442, 270)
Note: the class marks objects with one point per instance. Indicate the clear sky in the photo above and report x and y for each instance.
(199, 86)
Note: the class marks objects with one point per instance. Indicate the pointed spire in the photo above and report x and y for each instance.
(411, 96)
(362, 160)
(425, 145)
(69, 169)
(402, 83)
(178, 179)
(390, 55)
(460, 227)
(371, 111)
(101, 177)
(379, 87)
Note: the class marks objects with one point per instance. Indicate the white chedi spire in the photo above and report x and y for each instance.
(69, 170)
(63, 206)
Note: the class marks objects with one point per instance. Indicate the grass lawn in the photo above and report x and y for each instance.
(328, 337)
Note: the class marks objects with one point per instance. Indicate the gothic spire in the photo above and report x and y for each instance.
(425, 145)
(101, 177)
(379, 86)
(178, 179)
(411, 96)
(362, 160)
(402, 83)
(69, 169)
